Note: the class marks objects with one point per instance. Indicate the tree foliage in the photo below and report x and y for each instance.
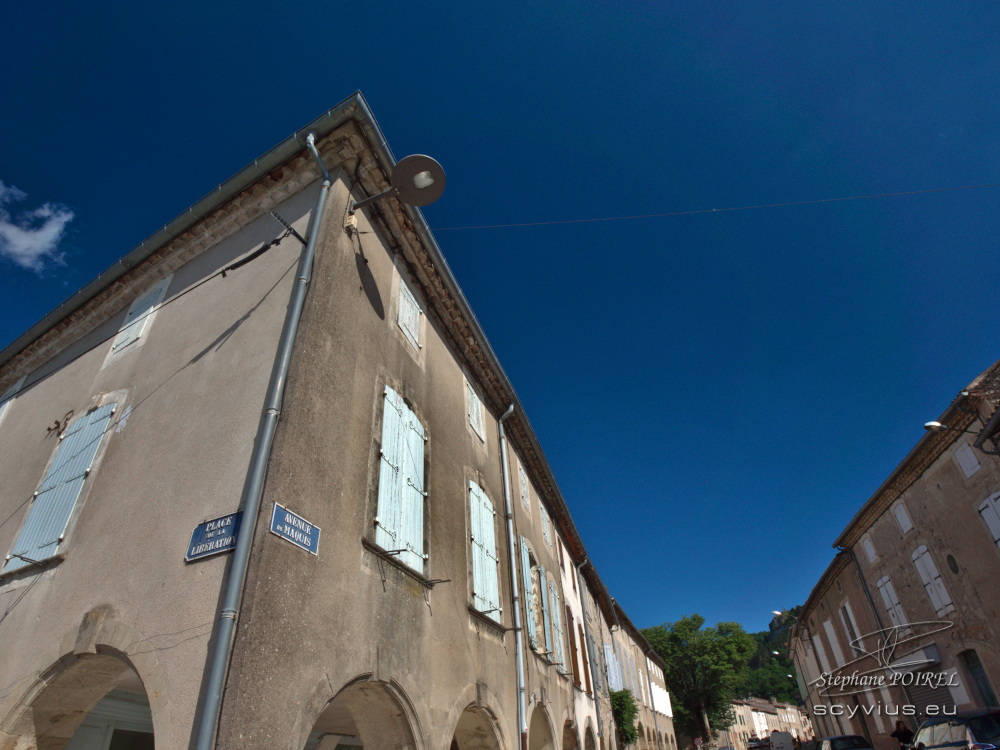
(768, 674)
(624, 710)
(706, 666)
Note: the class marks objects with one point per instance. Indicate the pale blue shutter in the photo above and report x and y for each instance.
(390, 501)
(476, 511)
(56, 496)
(529, 596)
(615, 681)
(546, 615)
(991, 517)
(412, 515)
(137, 316)
(491, 560)
(557, 630)
(594, 671)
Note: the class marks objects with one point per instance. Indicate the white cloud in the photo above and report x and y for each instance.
(31, 238)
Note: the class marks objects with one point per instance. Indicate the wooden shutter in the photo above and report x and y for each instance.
(584, 660)
(869, 549)
(399, 524)
(615, 681)
(891, 602)
(544, 515)
(967, 460)
(592, 656)
(988, 510)
(56, 496)
(412, 514)
(931, 578)
(546, 614)
(557, 628)
(529, 595)
(485, 562)
(475, 411)
(408, 316)
(902, 517)
(525, 496)
(138, 315)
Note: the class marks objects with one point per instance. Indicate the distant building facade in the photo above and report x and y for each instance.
(911, 600)
(408, 576)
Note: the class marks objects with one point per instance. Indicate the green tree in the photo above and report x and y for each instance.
(705, 668)
(624, 710)
(768, 674)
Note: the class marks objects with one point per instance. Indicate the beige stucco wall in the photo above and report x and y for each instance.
(189, 396)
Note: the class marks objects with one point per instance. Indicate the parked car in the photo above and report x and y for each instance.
(843, 742)
(974, 730)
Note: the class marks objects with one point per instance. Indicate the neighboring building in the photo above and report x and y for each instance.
(911, 597)
(755, 718)
(401, 520)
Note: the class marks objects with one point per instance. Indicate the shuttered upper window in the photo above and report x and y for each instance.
(139, 316)
(485, 562)
(546, 523)
(931, 578)
(902, 517)
(408, 316)
(558, 653)
(49, 514)
(967, 460)
(869, 548)
(475, 409)
(525, 494)
(399, 525)
(892, 605)
(990, 511)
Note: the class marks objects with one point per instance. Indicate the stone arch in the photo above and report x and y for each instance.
(376, 713)
(569, 738)
(90, 661)
(589, 740)
(540, 733)
(477, 729)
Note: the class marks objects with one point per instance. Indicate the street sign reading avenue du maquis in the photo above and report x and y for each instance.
(295, 529)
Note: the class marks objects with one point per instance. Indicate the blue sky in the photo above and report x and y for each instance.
(717, 393)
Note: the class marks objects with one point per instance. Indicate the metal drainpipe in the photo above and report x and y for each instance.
(522, 719)
(219, 658)
(586, 630)
(652, 704)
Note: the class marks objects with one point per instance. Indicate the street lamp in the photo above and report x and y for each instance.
(416, 179)
(938, 427)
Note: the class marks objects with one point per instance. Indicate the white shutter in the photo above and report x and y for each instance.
(477, 553)
(408, 316)
(891, 601)
(557, 629)
(529, 596)
(614, 668)
(138, 316)
(544, 515)
(902, 517)
(988, 510)
(869, 548)
(546, 614)
(931, 578)
(400, 520)
(55, 498)
(475, 411)
(485, 563)
(525, 495)
(967, 459)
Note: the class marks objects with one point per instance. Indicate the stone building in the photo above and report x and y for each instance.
(267, 486)
(910, 602)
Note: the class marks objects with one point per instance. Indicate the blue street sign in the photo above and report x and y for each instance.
(295, 529)
(214, 536)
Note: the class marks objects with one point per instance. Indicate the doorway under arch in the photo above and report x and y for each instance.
(366, 713)
(540, 731)
(476, 730)
(569, 740)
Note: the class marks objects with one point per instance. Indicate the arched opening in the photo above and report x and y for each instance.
(476, 730)
(540, 731)
(364, 714)
(92, 702)
(569, 741)
(589, 741)
(641, 741)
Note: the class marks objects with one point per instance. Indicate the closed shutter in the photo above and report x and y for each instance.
(138, 315)
(967, 460)
(546, 615)
(529, 595)
(869, 549)
(408, 317)
(544, 515)
(525, 497)
(891, 601)
(614, 669)
(475, 411)
(400, 520)
(592, 655)
(902, 517)
(485, 594)
(931, 578)
(988, 510)
(557, 628)
(56, 496)
(924, 695)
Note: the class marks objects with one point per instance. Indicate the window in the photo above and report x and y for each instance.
(139, 316)
(525, 495)
(48, 516)
(408, 315)
(970, 659)
(990, 511)
(558, 654)
(485, 562)
(967, 460)
(592, 657)
(902, 517)
(931, 578)
(584, 660)
(546, 531)
(8, 396)
(847, 618)
(475, 409)
(399, 525)
(892, 604)
(869, 549)
(532, 596)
